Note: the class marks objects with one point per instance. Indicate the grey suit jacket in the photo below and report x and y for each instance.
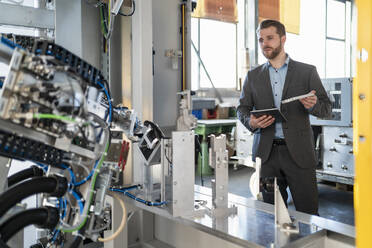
(257, 94)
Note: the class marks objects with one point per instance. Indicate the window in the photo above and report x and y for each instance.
(217, 45)
(338, 39)
(324, 39)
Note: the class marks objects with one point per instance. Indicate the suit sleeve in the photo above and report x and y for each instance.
(322, 108)
(246, 104)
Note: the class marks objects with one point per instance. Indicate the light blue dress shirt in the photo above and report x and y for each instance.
(277, 79)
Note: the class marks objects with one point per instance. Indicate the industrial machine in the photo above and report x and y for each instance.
(334, 143)
(56, 112)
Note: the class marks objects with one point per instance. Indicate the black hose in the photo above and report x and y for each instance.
(54, 185)
(46, 217)
(76, 242)
(3, 244)
(33, 171)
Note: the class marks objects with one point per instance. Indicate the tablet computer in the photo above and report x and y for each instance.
(274, 112)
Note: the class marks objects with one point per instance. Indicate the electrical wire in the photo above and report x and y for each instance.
(122, 223)
(42, 166)
(84, 215)
(62, 205)
(10, 43)
(89, 176)
(107, 25)
(72, 175)
(79, 200)
(130, 14)
(107, 140)
(54, 117)
(148, 203)
(108, 99)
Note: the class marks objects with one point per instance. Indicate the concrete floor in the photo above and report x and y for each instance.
(333, 203)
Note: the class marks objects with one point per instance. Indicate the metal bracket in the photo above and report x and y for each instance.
(219, 161)
(282, 219)
(174, 55)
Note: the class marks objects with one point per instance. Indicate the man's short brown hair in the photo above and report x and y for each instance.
(280, 29)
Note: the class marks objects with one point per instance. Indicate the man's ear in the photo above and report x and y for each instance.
(283, 38)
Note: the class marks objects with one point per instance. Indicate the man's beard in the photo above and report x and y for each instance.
(275, 52)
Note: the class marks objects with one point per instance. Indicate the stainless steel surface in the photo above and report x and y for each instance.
(17, 15)
(340, 93)
(254, 226)
(338, 158)
(323, 239)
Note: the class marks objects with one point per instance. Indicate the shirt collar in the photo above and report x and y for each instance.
(286, 62)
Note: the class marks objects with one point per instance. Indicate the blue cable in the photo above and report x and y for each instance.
(88, 177)
(148, 203)
(79, 200)
(72, 175)
(62, 204)
(42, 166)
(10, 43)
(108, 99)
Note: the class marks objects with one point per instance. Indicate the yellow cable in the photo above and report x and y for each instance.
(183, 50)
(123, 220)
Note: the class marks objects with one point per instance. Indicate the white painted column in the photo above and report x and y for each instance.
(142, 78)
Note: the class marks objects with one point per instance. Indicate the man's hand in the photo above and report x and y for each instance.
(309, 101)
(261, 122)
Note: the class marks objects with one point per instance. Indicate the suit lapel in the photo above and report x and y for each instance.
(265, 75)
(288, 77)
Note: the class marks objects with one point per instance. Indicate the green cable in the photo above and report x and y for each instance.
(55, 117)
(94, 178)
(103, 28)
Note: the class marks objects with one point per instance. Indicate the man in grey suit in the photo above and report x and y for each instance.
(286, 148)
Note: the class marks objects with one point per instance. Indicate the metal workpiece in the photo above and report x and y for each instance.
(218, 159)
(283, 221)
(182, 172)
(149, 146)
(244, 142)
(186, 121)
